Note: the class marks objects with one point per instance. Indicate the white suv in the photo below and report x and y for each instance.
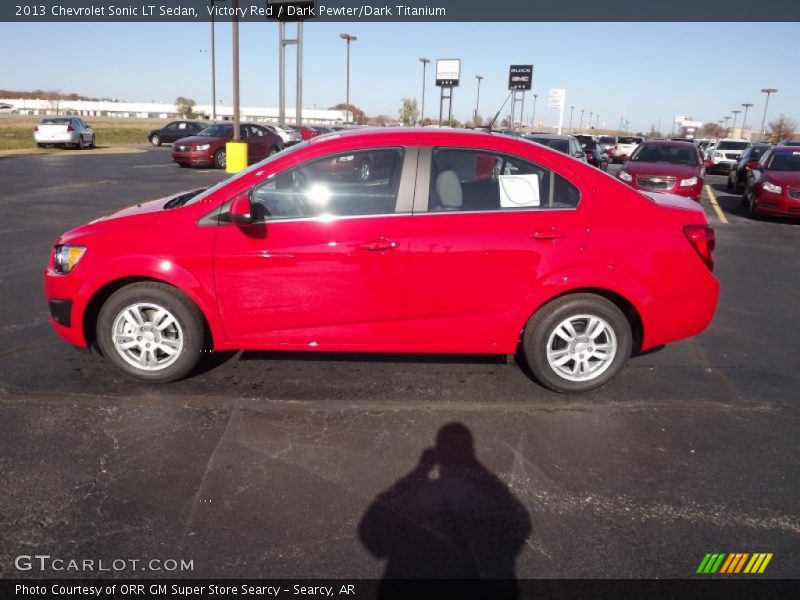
(625, 147)
(725, 153)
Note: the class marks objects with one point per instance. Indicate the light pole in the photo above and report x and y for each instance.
(590, 119)
(478, 99)
(766, 91)
(213, 67)
(235, 40)
(747, 106)
(424, 62)
(571, 110)
(726, 117)
(580, 123)
(348, 38)
(597, 121)
(735, 116)
(533, 114)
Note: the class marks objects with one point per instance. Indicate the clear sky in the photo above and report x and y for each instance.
(641, 71)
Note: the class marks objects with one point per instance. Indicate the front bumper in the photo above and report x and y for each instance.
(198, 158)
(62, 293)
(782, 204)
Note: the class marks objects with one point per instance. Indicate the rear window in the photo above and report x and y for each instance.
(785, 161)
(629, 140)
(55, 121)
(606, 139)
(555, 144)
(217, 131)
(733, 145)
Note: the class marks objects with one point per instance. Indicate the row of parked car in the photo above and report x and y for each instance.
(198, 143)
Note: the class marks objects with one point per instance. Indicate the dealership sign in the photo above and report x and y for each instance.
(448, 72)
(556, 98)
(520, 77)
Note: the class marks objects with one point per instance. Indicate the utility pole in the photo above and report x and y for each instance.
(726, 117)
(533, 114)
(348, 38)
(580, 123)
(235, 35)
(213, 67)
(768, 92)
(424, 62)
(478, 99)
(735, 115)
(747, 106)
(571, 109)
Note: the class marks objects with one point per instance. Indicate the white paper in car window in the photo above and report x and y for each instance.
(519, 191)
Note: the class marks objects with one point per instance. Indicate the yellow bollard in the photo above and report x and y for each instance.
(236, 156)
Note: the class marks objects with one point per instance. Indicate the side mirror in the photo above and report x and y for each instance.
(240, 210)
(580, 154)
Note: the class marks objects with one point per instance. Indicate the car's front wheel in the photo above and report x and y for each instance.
(220, 159)
(577, 343)
(155, 140)
(151, 331)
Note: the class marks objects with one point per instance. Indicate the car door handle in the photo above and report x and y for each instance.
(547, 234)
(378, 245)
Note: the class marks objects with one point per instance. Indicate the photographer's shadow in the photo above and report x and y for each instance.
(464, 524)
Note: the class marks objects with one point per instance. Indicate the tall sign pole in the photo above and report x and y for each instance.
(520, 80)
(556, 99)
(448, 75)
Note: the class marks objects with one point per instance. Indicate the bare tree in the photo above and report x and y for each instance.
(54, 98)
(782, 128)
(714, 130)
(185, 107)
(409, 113)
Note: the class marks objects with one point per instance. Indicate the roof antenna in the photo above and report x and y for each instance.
(491, 123)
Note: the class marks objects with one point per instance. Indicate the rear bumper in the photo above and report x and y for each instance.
(65, 138)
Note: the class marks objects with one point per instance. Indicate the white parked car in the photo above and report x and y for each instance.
(625, 147)
(725, 153)
(64, 131)
(289, 136)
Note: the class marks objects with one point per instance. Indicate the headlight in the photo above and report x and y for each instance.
(688, 182)
(718, 155)
(203, 147)
(625, 176)
(67, 257)
(772, 188)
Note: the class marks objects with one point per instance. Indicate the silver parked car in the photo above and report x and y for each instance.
(64, 131)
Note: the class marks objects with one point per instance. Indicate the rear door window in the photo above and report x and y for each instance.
(476, 180)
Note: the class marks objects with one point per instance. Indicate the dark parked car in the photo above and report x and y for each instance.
(174, 131)
(595, 155)
(737, 176)
(789, 143)
(563, 143)
(773, 187)
(207, 148)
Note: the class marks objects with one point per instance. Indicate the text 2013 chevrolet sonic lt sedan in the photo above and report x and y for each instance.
(463, 242)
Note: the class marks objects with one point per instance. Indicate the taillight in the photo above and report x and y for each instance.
(751, 164)
(35, 129)
(69, 127)
(702, 239)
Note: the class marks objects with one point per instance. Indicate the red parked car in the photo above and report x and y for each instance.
(207, 148)
(469, 243)
(665, 166)
(773, 185)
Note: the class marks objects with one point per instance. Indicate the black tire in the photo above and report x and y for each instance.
(220, 159)
(273, 151)
(93, 143)
(545, 321)
(38, 145)
(155, 140)
(79, 145)
(364, 172)
(185, 313)
(729, 183)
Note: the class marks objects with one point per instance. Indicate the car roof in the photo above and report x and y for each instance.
(673, 143)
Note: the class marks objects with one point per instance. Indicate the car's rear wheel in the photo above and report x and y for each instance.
(272, 151)
(155, 140)
(151, 331)
(79, 144)
(729, 185)
(577, 343)
(220, 159)
(93, 142)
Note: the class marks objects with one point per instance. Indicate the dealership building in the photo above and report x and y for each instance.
(160, 110)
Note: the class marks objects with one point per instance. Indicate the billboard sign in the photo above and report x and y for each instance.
(448, 72)
(520, 77)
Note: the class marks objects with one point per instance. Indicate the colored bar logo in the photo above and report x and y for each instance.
(734, 563)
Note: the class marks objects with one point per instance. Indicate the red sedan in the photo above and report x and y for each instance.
(466, 243)
(207, 148)
(662, 166)
(773, 186)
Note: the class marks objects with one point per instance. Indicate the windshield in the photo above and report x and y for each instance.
(732, 145)
(629, 140)
(217, 131)
(246, 172)
(607, 139)
(676, 155)
(785, 161)
(757, 151)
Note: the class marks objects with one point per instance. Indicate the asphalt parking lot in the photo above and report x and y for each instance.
(266, 465)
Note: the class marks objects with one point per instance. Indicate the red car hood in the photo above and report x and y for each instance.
(132, 216)
(791, 178)
(195, 140)
(666, 169)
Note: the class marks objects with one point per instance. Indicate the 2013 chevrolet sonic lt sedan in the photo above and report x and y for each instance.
(462, 242)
